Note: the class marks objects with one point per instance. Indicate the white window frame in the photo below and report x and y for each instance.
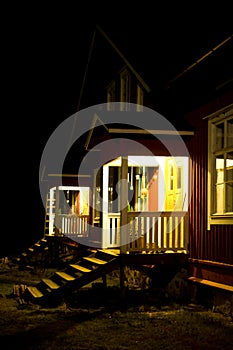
(219, 117)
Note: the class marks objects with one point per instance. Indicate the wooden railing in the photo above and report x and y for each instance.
(75, 225)
(114, 228)
(157, 231)
(146, 231)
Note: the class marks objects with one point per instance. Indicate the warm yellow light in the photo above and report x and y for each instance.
(144, 192)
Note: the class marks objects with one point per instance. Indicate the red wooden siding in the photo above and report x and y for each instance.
(215, 244)
(198, 205)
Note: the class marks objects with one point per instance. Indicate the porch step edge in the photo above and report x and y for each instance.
(50, 283)
(36, 293)
(80, 268)
(95, 260)
(65, 276)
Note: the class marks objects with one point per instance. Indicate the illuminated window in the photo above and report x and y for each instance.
(221, 169)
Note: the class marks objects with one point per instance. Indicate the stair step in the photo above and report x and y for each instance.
(36, 293)
(37, 244)
(44, 240)
(109, 252)
(65, 276)
(31, 249)
(80, 268)
(50, 283)
(95, 260)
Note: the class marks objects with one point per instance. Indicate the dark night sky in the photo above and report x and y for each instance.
(45, 50)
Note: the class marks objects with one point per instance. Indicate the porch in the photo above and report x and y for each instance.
(144, 232)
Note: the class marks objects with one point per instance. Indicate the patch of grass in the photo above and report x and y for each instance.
(97, 318)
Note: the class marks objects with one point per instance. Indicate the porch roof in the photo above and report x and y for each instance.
(142, 125)
(69, 180)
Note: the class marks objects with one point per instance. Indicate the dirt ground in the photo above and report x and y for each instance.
(96, 318)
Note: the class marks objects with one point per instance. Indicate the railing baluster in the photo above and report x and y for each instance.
(168, 230)
(162, 232)
(156, 232)
(173, 231)
(182, 233)
(176, 245)
(179, 233)
(150, 232)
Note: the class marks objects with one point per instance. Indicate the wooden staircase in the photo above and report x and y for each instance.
(49, 251)
(35, 250)
(88, 268)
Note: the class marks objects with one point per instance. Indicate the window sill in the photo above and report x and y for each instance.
(221, 219)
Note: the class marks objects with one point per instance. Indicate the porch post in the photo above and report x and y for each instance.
(105, 230)
(123, 220)
(124, 203)
(57, 219)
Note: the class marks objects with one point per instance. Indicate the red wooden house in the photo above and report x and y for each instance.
(152, 190)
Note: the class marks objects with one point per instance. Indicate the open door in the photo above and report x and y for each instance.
(174, 174)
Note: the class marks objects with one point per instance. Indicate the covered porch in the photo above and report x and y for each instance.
(136, 205)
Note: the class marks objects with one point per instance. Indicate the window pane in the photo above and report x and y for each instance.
(229, 184)
(219, 136)
(229, 167)
(171, 177)
(179, 172)
(230, 132)
(219, 198)
(219, 193)
(219, 167)
(229, 197)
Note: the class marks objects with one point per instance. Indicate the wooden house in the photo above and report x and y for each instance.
(137, 157)
(152, 191)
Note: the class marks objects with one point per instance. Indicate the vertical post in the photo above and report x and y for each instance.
(49, 210)
(56, 219)
(124, 203)
(186, 231)
(123, 219)
(105, 228)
